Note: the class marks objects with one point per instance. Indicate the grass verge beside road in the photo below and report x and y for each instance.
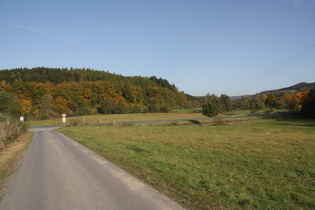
(96, 119)
(10, 158)
(111, 118)
(264, 164)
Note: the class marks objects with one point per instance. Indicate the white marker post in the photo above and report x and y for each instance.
(64, 119)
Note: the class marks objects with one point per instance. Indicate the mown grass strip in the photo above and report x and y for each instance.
(264, 165)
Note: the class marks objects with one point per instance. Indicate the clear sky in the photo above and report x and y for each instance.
(232, 47)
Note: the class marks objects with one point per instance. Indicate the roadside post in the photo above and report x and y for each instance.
(64, 120)
(22, 119)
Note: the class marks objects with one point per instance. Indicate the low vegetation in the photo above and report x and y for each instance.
(98, 119)
(10, 158)
(267, 164)
(14, 140)
(10, 129)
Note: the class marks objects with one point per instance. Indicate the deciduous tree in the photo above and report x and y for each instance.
(271, 101)
(255, 105)
(10, 104)
(60, 104)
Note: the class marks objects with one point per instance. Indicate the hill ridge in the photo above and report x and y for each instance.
(297, 87)
(60, 75)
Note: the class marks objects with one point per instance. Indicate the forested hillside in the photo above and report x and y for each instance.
(47, 92)
(42, 93)
(300, 87)
(57, 76)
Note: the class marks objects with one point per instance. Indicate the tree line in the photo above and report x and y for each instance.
(294, 101)
(60, 75)
(42, 93)
(291, 100)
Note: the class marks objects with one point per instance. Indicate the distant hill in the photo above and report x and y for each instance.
(302, 86)
(238, 97)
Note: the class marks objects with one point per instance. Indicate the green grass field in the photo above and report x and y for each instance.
(95, 119)
(265, 164)
(189, 110)
(241, 112)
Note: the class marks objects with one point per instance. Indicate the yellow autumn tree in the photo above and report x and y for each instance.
(60, 104)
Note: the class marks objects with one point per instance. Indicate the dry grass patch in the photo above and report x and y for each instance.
(10, 159)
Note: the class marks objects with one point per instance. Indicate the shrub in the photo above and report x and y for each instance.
(75, 122)
(10, 129)
(153, 108)
(174, 123)
(210, 109)
(166, 109)
(128, 124)
(218, 121)
(268, 111)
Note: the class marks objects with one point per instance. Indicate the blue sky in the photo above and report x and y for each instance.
(232, 47)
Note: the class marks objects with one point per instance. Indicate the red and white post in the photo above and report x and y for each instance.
(64, 120)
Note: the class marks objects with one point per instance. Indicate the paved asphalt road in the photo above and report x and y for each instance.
(58, 173)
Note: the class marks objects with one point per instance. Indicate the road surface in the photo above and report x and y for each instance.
(58, 173)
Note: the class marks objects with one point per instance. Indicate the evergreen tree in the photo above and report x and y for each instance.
(210, 109)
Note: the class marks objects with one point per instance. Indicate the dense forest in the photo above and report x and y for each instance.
(47, 92)
(42, 93)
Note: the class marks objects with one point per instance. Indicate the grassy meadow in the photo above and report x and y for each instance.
(267, 164)
(96, 119)
(247, 112)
